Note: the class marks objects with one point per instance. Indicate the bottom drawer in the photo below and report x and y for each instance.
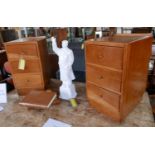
(27, 80)
(101, 95)
(104, 101)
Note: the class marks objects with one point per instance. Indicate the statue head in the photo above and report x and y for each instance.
(64, 43)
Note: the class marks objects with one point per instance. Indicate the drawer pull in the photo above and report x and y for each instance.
(101, 77)
(101, 56)
(101, 96)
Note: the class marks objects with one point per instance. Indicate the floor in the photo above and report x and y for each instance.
(151, 92)
(15, 115)
(152, 102)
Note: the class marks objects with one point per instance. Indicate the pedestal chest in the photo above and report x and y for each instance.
(35, 71)
(116, 72)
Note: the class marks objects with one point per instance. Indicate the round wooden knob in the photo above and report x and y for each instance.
(101, 95)
(101, 56)
(101, 77)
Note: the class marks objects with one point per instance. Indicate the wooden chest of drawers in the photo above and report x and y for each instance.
(116, 72)
(36, 72)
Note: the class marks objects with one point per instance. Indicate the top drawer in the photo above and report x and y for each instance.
(22, 49)
(105, 56)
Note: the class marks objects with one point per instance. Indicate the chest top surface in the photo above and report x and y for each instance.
(25, 40)
(119, 40)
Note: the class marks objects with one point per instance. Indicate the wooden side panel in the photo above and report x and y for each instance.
(53, 64)
(43, 54)
(136, 76)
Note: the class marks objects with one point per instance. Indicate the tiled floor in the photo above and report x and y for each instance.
(83, 116)
(152, 101)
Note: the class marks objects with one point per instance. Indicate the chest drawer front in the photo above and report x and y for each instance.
(31, 66)
(102, 96)
(27, 80)
(22, 49)
(105, 55)
(104, 77)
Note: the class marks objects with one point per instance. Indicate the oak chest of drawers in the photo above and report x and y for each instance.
(116, 72)
(35, 74)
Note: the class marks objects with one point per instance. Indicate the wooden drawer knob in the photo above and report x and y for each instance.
(101, 55)
(101, 77)
(101, 95)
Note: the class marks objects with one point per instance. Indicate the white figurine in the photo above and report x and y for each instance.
(66, 59)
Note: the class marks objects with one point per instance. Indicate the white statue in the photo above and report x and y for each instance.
(66, 59)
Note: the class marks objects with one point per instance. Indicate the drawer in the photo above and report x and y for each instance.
(104, 77)
(25, 91)
(105, 55)
(27, 80)
(102, 96)
(31, 66)
(22, 49)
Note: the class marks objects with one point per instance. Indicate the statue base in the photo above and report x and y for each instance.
(67, 91)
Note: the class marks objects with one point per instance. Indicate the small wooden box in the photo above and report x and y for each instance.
(36, 72)
(116, 72)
